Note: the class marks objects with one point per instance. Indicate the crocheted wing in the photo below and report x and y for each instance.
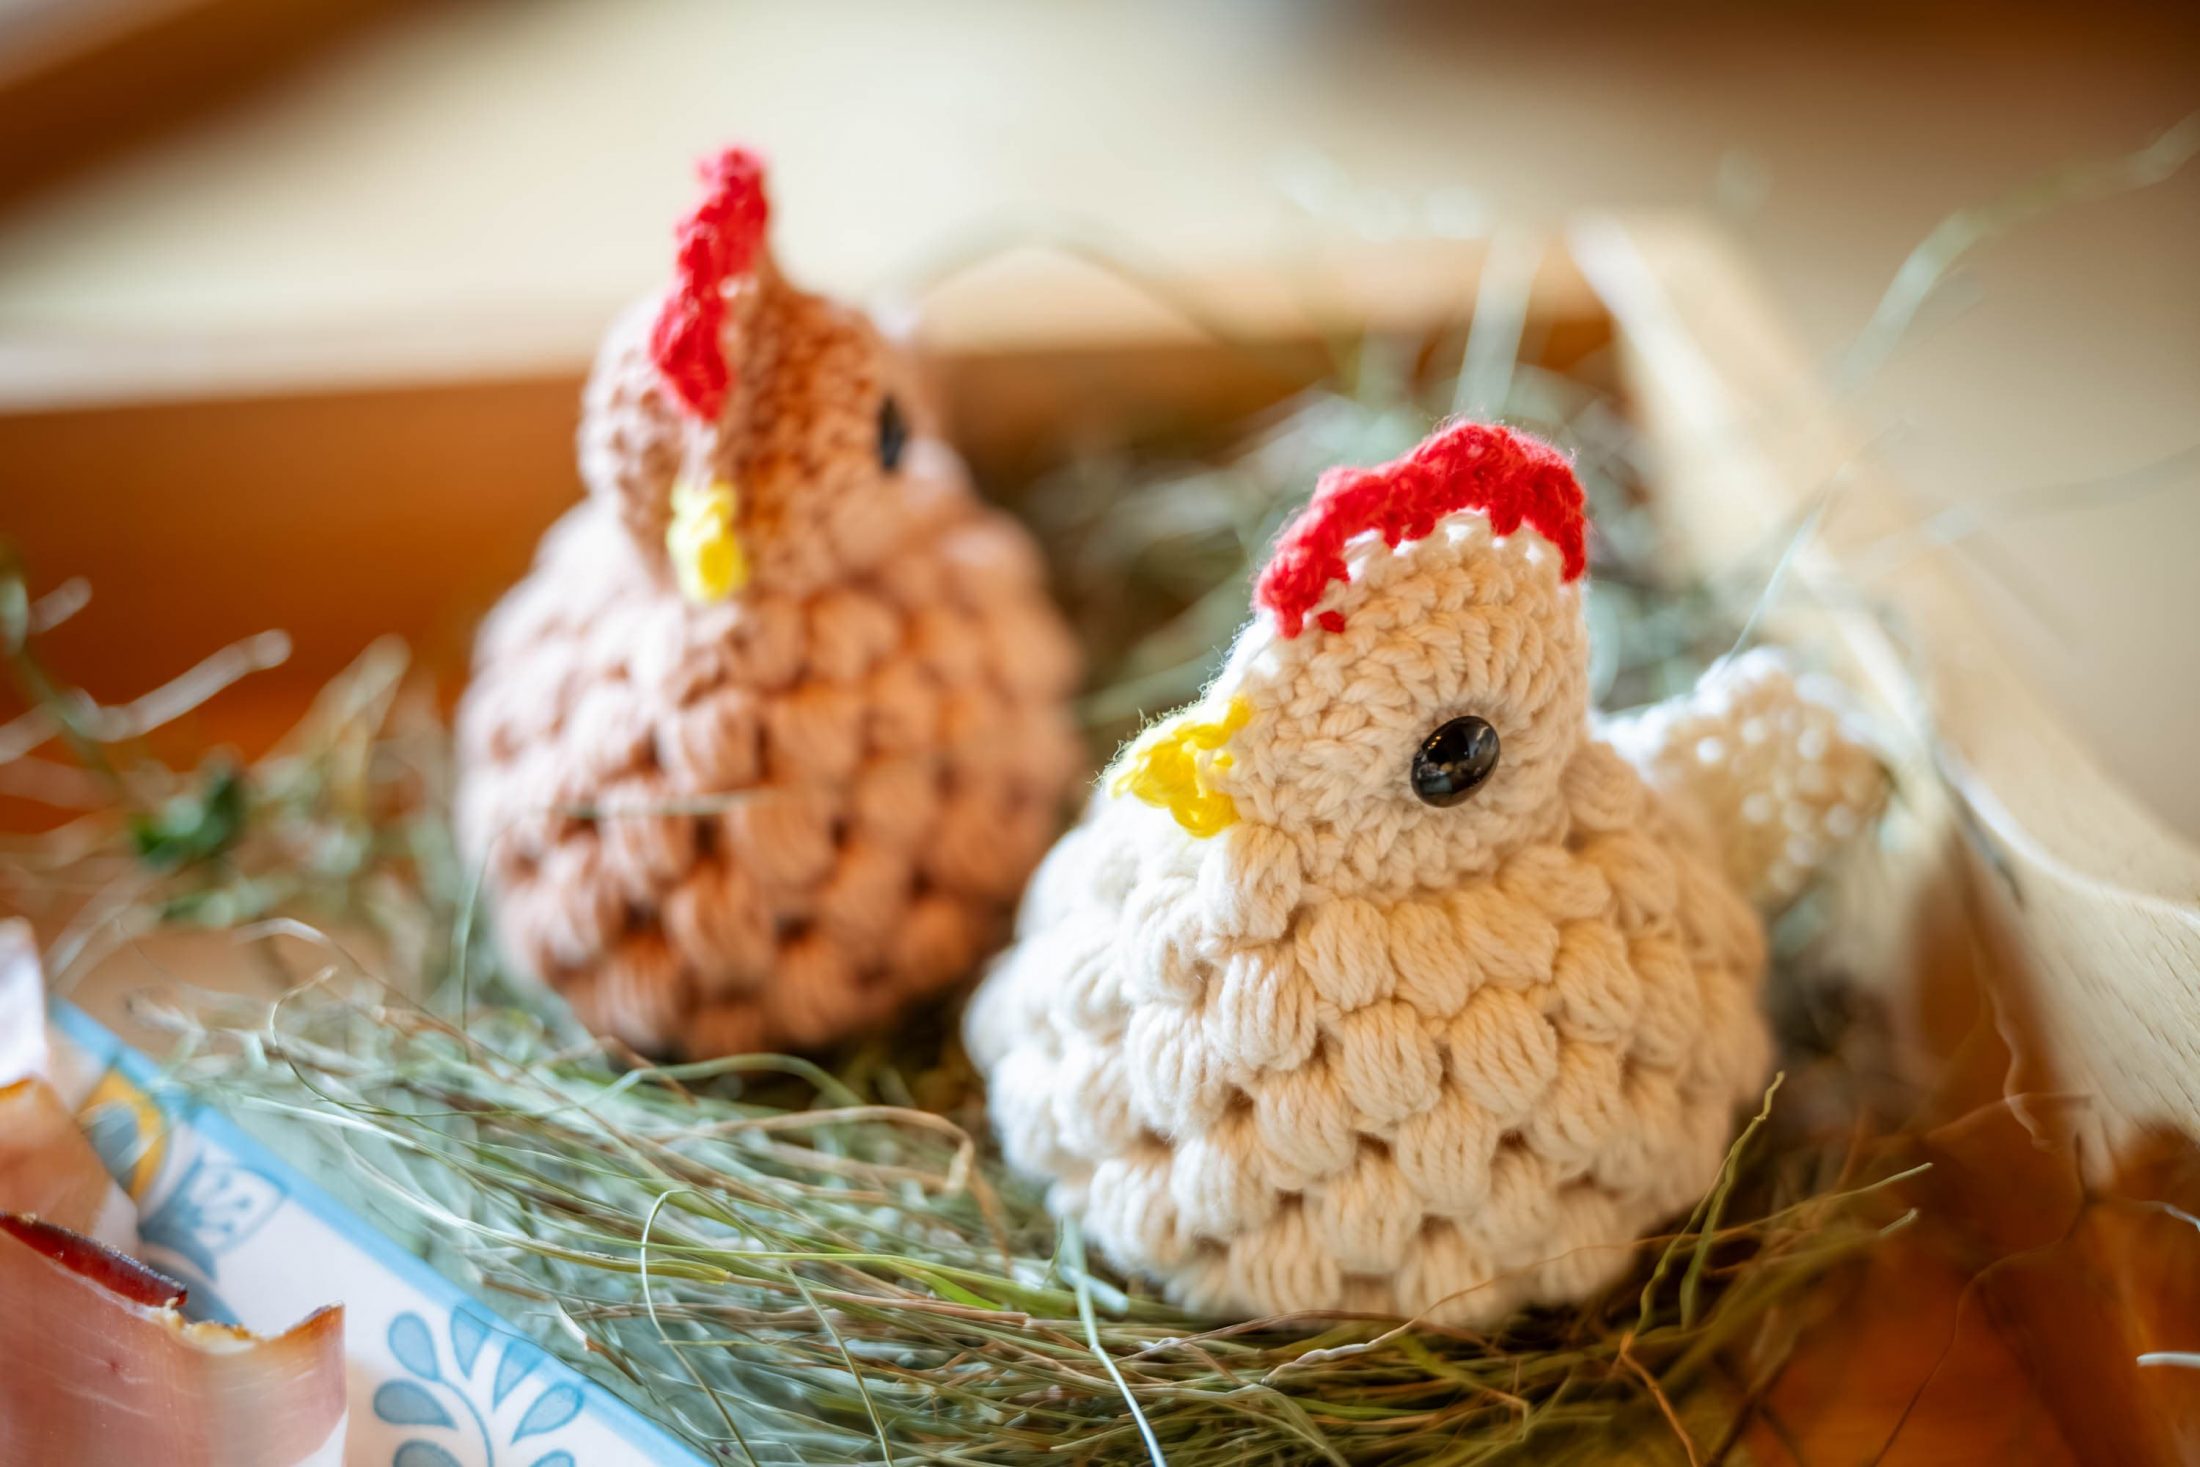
(1778, 769)
(771, 736)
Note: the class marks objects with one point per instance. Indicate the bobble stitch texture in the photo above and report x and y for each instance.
(1344, 1050)
(765, 820)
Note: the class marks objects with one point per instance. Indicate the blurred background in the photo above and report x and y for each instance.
(296, 297)
(209, 201)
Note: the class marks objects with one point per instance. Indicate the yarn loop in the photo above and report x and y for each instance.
(706, 554)
(1174, 768)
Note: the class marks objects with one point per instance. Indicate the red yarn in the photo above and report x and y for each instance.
(1509, 476)
(718, 240)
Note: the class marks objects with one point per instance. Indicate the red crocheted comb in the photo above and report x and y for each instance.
(718, 240)
(1509, 476)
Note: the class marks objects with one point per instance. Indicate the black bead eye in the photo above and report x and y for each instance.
(893, 434)
(1453, 761)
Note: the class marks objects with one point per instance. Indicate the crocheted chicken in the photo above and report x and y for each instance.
(1383, 978)
(773, 733)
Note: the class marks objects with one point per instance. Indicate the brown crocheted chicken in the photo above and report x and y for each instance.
(771, 735)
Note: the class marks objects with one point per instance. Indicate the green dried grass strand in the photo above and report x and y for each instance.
(1715, 1205)
(1956, 237)
(1073, 1244)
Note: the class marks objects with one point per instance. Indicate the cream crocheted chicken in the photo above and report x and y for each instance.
(1383, 978)
(771, 736)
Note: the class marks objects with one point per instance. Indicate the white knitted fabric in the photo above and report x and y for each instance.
(1358, 1052)
(1780, 765)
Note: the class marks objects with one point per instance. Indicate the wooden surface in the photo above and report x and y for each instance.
(2034, 929)
(81, 80)
(2106, 901)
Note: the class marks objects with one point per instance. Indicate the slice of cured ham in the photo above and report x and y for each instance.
(49, 1169)
(98, 1367)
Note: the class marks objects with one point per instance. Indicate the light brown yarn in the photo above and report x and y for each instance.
(768, 821)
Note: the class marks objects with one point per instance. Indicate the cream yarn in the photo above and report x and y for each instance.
(1778, 764)
(1354, 1051)
(766, 821)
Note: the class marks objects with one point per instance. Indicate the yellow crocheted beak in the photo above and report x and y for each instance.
(707, 558)
(1173, 767)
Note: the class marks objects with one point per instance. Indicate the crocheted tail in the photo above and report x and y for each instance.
(1777, 768)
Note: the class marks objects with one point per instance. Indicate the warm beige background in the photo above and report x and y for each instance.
(475, 185)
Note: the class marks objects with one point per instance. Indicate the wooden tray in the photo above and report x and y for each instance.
(2035, 929)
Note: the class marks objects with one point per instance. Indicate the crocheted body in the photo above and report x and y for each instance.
(767, 822)
(1456, 1102)
(764, 803)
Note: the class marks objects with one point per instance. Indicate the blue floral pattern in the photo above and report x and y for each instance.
(425, 1401)
(192, 1209)
(436, 1379)
(213, 1208)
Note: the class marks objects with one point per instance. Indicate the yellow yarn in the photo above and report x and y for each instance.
(707, 558)
(1172, 768)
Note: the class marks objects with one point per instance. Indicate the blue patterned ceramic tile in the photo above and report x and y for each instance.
(437, 1379)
